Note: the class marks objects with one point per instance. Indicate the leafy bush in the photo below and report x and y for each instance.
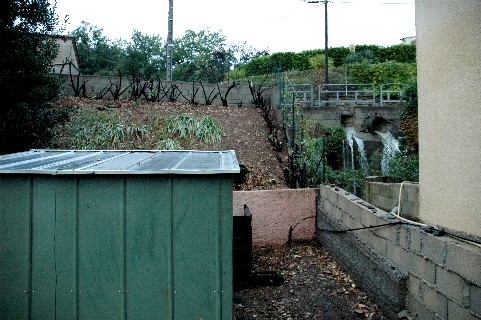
(338, 55)
(409, 118)
(348, 179)
(404, 53)
(26, 87)
(404, 167)
(386, 72)
(286, 61)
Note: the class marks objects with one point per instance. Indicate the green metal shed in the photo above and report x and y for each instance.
(116, 234)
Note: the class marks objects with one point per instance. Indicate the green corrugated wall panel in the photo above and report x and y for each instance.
(149, 246)
(15, 209)
(198, 248)
(43, 250)
(66, 248)
(54, 280)
(225, 221)
(101, 247)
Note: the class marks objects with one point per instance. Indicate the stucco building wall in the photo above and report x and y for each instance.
(449, 84)
(275, 211)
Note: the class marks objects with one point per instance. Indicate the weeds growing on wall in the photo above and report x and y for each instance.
(116, 129)
(405, 166)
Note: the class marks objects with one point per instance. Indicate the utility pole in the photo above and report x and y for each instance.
(326, 47)
(170, 33)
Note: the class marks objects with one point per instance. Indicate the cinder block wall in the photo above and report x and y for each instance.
(386, 197)
(406, 270)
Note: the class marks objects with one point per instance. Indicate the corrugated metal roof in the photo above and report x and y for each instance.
(64, 162)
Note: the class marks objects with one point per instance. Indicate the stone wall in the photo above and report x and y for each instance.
(406, 270)
(275, 211)
(386, 196)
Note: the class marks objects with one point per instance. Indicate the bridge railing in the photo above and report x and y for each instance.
(328, 93)
(303, 94)
(392, 92)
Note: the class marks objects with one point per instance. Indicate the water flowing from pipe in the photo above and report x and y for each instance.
(350, 142)
(390, 150)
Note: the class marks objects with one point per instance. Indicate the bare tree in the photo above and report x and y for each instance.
(223, 98)
(193, 94)
(79, 89)
(208, 98)
(115, 89)
(268, 113)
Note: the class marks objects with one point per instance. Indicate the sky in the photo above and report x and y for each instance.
(279, 26)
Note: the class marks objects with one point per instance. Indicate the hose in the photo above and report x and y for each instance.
(435, 231)
(398, 214)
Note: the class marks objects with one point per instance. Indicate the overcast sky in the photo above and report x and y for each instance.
(279, 26)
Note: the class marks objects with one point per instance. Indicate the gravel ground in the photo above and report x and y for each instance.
(315, 287)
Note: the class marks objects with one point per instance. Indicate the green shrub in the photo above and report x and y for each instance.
(348, 179)
(386, 72)
(286, 61)
(409, 119)
(26, 86)
(404, 53)
(404, 167)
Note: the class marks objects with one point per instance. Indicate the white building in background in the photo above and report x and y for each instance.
(409, 40)
(67, 52)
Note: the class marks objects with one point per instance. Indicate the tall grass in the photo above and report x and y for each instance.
(186, 126)
(116, 129)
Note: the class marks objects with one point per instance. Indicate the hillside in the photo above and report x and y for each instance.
(243, 130)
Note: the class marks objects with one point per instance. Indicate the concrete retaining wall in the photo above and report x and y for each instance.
(274, 211)
(386, 196)
(352, 115)
(95, 85)
(404, 269)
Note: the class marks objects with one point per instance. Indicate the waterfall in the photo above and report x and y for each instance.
(350, 143)
(351, 136)
(390, 150)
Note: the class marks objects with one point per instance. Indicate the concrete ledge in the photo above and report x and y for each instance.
(386, 196)
(275, 211)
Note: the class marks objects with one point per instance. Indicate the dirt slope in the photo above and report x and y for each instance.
(244, 131)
